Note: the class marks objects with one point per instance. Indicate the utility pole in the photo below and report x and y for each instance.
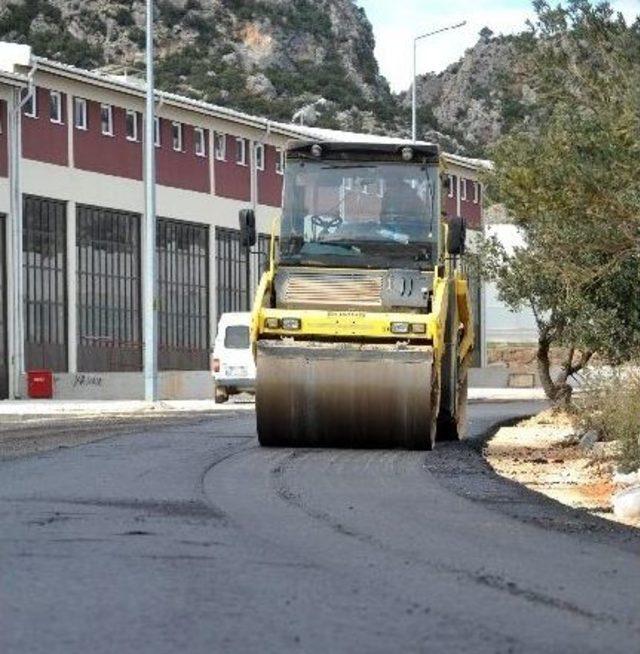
(414, 121)
(149, 314)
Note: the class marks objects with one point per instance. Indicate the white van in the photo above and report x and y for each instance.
(234, 369)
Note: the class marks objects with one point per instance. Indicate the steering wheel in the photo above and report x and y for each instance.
(326, 222)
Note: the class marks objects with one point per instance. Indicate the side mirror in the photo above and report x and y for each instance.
(456, 235)
(248, 234)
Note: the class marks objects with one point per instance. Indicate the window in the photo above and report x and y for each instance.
(183, 293)
(30, 99)
(157, 132)
(176, 131)
(55, 107)
(236, 337)
(259, 149)
(45, 283)
(108, 280)
(80, 113)
(241, 152)
(280, 161)
(452, 186)
(230, 292)
(200, 142)
(476, 193)
(106, 119)
(463, 189)
(131, 121)
(220, 146)
(4, 354)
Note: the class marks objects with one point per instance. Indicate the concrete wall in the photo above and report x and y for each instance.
(502, 324)
(178, 385)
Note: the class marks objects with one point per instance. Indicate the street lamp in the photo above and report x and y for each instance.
(414, 125)
(149, 314)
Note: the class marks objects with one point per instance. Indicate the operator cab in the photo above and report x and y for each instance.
(361, 206)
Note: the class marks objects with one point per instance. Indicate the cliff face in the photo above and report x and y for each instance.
(302, 60)
(475, 100)
(274, 57)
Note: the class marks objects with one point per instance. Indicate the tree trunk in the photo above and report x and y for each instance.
(544, 366)
(558, 390)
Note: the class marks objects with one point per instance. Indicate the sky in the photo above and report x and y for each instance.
(397, 22)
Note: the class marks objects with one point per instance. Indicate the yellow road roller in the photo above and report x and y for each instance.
(362, 327)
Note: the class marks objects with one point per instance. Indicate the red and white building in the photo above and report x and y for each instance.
(71, 206)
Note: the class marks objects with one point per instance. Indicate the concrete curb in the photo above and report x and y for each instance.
(29, 408)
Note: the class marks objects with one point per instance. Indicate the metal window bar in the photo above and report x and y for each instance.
(109, 288)
(4, 363)
(230, 261)
(183, 290)
(45, 293)
(259, 260)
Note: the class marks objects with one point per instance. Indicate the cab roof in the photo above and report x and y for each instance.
(349, 150)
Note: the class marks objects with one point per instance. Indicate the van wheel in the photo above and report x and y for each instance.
(221, 395)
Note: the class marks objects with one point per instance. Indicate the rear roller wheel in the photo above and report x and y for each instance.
(453, 427)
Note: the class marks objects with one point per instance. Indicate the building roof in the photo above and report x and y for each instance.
(13, 79)
(17, 62)
(468, 162)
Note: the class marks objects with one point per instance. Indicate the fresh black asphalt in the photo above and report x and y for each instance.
(189, 538)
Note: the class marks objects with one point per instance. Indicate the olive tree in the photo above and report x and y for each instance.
(569, 179)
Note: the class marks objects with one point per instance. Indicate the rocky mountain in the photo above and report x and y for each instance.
(304, 60)
(274, 57)
(474, 101)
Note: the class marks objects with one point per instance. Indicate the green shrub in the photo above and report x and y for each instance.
(612, 408)
(123, 17)
(138, 36)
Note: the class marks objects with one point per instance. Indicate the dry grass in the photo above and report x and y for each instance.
(611, 407)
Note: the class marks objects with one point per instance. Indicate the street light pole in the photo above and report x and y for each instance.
(149, 316)
(414, 121)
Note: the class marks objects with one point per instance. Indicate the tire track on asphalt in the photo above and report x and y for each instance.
(478, 577)
(224, 454)
(301, 559)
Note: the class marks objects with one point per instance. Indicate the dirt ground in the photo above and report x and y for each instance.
(544, 454)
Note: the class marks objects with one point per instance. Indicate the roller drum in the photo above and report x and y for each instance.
(345, 395)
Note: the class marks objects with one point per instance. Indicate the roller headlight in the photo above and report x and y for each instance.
(399, 327)
(291, 324)
(419, 328)
(272, 323)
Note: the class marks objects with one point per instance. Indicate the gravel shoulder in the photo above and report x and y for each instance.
(544, 454)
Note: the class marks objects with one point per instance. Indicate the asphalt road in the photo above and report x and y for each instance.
(189, 538)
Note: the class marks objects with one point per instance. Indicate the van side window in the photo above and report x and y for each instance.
(236, 337)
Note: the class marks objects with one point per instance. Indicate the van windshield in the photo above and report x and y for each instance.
(236, 337)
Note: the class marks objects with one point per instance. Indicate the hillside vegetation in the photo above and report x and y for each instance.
(309, 60)
(272, 57)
